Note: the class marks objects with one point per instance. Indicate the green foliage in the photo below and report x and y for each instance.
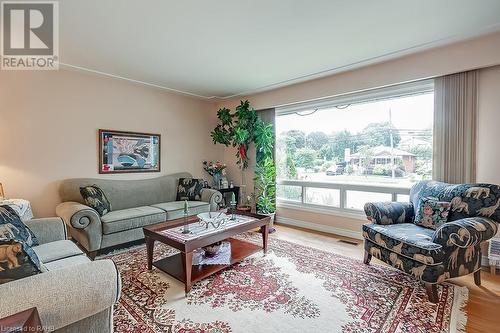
(378, 134)
(422, 152)
(265, 186)
(236, 129)
(315, 140)
(264, 140)
(299, 136)
(305, 158)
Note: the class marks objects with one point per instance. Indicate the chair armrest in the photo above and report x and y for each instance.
(466, 232)
(49, 229)
(211, 196)
(64, 296)
(84, 224)
(389, 212)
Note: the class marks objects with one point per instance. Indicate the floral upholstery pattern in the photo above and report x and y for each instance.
(17, 258)
(433, 256)
(389, 212)
(432, 213)
(406, 239)
(95, 198)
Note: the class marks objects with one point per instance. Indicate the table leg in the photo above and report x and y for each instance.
(264, 230)
(187, 262)
(149, 249)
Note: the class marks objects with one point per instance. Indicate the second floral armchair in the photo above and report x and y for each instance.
(468, 215)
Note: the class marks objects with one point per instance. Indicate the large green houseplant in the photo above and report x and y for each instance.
(236, 129)
(240, 129)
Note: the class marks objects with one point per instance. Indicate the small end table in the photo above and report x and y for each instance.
(235, 190)
(24, 321)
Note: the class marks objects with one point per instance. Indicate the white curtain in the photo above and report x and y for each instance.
(455, 126)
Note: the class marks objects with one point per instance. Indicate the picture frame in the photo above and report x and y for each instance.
(128, 152)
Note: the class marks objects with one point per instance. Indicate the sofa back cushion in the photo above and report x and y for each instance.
(189, 189)
(17, 258)
(94, 197)
(123, 194)
(467, 200)
(432, 213)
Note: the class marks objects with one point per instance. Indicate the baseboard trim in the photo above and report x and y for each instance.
(318, 227)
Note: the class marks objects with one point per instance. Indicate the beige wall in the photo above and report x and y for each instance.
(49, 123)
(472, 54)
(488, 150)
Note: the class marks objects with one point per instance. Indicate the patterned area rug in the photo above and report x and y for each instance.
(293, 288)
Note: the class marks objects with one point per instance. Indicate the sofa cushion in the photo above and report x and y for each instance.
(175, 209)
(17, 260)
(57, 250)
(66, 262)
(432, 213)
(131, 218)
(189, 189)
(94, 197)
(11, 227)
(407, 239)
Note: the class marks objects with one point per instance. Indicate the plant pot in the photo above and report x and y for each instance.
(244, 209)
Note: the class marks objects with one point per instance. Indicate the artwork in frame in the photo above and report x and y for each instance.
(126, 152)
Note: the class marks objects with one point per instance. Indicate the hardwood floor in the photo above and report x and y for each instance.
(484, 301)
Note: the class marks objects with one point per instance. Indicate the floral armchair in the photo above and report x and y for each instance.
(432, 256)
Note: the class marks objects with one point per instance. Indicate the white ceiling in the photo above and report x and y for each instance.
(222, 48)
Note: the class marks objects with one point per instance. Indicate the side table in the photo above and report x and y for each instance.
(24, 321)
(494, 254)
(235, 190)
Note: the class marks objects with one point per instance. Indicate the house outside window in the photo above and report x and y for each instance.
(339, 153)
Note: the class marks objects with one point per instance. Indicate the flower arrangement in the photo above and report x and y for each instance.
(213, 168)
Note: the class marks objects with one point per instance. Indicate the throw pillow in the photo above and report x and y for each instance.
(11, 227)
(189, 189)
(95, 198)
(17, 258)
(432, 213)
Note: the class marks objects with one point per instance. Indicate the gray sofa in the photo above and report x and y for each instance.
(135, 204)
(73, 294)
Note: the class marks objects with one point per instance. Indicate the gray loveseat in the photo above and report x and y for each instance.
(74, 294)
(135, 204)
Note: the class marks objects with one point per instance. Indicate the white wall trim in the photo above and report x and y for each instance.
(353, 214)
(319, 227)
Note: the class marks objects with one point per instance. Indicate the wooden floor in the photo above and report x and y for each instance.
(483, 309)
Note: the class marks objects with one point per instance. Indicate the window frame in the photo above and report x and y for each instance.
(366, 96)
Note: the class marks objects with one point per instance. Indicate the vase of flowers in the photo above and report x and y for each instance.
(216, 170)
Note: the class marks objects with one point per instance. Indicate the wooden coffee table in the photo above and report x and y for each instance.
(180, 266)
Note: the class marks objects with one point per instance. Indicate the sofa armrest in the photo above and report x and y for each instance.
(389, 212)
(49, 229)
(64, 296)
(466, 232)
(84, 224)
(213, 197)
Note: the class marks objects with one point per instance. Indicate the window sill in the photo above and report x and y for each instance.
(352, 214)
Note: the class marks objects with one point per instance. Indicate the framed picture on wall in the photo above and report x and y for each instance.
(126, 152)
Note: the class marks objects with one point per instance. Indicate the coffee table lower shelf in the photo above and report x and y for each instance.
(174, 265)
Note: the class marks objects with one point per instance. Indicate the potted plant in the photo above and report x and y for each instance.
(265, 171)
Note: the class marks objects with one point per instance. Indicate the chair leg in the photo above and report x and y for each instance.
(477, 277)
(432, 292)
(367, 258)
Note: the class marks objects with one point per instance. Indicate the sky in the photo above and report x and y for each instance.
(412, 112)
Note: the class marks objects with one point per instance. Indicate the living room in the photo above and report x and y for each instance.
(242, 167)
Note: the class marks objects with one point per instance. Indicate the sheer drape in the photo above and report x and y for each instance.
(455, 122)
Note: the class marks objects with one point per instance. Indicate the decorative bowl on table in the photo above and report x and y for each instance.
(214, 219)
(212, 249)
